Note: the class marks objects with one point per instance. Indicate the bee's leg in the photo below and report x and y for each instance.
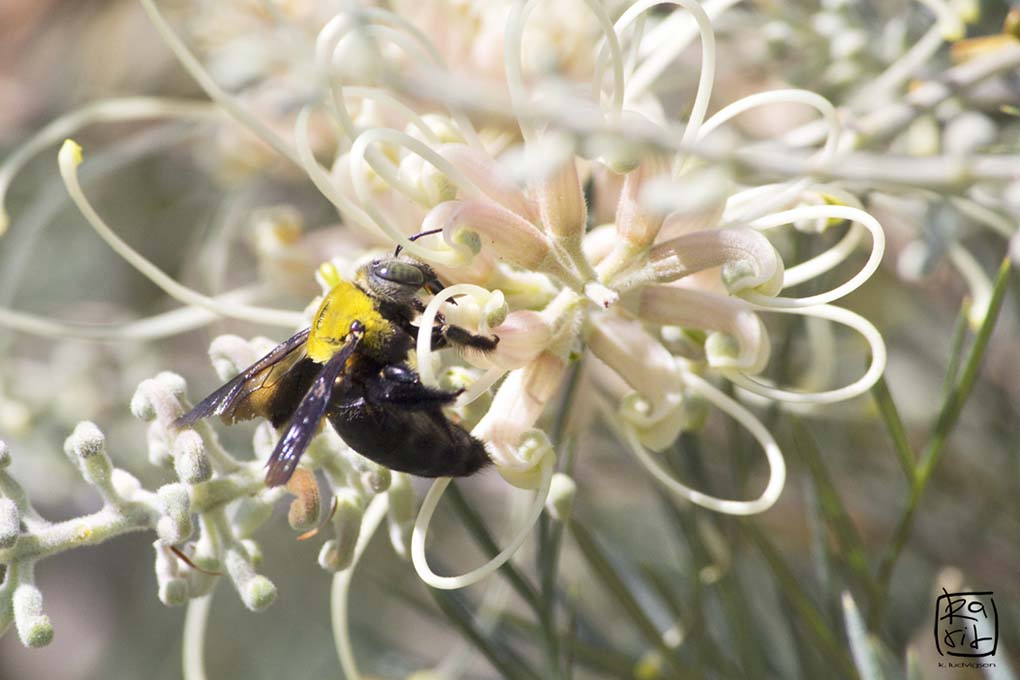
(446, 334)
(399, 385)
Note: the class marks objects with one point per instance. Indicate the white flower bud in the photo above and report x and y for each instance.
(190, 460)
(87, 440)
(230, 354)
(34, 627)
(159, 398)
(10, 523)
(175, 526)
(172, 383)
(256, 591)
(87, 447)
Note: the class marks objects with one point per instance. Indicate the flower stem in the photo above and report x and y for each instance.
(948, 416)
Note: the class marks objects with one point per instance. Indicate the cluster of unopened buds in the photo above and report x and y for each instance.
(656, 281)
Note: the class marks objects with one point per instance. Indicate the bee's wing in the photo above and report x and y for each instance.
(230, 398)
(304, 424)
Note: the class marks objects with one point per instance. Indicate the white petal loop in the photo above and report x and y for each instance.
(856, 388)
(820, 264)
(428, 508)
(773, 455)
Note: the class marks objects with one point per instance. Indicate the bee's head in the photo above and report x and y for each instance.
(397, 279)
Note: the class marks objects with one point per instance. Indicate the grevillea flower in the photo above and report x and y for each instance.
(671, 251)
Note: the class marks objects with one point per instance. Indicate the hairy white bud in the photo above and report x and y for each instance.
(190, 459)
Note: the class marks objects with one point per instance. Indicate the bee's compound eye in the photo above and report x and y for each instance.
(400, 272)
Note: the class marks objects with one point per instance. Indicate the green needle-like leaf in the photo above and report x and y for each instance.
(811, 617)
(948, 416)
(833, 509)
(894, 423)
(614, 583)
(507, 662)
(476, 527)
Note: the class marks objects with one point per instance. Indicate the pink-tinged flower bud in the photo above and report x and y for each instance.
(656, 407)
(638, 358)
(483, 225)
(479, 271)
(518, 403)
(748, 259)
(635, 222)
(484, 172)
(748, 347)
(522, 337)
(561, 203)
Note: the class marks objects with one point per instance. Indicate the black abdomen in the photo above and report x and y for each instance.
(399, 423)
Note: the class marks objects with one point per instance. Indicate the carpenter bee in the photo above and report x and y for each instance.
(351, 368)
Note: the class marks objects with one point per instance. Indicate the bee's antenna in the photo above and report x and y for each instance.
(416, 237)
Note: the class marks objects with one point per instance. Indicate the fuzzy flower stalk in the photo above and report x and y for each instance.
(649, 270)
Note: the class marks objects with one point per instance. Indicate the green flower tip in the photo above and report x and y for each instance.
(468, 239)
(173, 592)
(38, 632)
(258, 593)
(720, 347)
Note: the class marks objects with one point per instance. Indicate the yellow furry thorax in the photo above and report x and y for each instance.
(344, 304)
